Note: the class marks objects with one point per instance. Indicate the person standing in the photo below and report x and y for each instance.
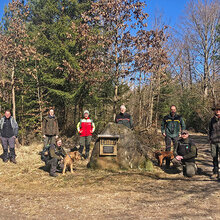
(214, 137)
(185, 153)
(86, 128)
(9, 132)
(124, 118)
(50, 129)
(171, 127)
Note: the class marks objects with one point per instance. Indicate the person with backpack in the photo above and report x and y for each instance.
(86, 128)
(185, 153)
(214, 137)
(171, 127)
(8, 133)
(53, 155)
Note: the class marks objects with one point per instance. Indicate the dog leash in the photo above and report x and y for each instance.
(69, 156)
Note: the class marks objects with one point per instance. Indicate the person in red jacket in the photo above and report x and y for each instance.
(85, 127)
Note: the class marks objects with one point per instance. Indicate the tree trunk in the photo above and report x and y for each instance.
(13, 92)
(140, 102)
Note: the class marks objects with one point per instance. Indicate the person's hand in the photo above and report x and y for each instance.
(91, 131)
(56, 136)
(164, 134)
(44, 136)
(179, 157)
(179, 135)
(80, 131)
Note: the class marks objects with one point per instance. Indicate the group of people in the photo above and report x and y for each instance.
(85, 128)
(172, 128)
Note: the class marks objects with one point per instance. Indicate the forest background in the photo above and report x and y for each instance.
(74, 55)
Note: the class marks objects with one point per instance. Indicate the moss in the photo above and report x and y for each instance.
(145, 164)
(149, 165)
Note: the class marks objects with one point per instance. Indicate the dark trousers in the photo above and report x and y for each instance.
(8, 143)
(52, 163)
(168, 141)
(189, 168)
(215, 151)
(49, 139)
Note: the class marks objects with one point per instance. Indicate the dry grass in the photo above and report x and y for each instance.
(28, 192)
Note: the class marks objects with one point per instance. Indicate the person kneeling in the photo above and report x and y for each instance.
(185, 154)
(56, 155)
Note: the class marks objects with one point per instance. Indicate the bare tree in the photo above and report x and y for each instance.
(199, 24)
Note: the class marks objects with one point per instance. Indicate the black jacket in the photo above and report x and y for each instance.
(214, 130)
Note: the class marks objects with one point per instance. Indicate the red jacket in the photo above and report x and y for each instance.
(85, 127)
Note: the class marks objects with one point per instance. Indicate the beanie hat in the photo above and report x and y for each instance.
(86, 112)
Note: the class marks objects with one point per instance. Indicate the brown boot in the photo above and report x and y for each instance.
(13, 160)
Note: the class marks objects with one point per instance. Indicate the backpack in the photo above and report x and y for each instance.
(45, 153)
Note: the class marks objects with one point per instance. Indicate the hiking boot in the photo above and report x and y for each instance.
(53, 174)
(214, 176)
(13, 160)
(5, 160)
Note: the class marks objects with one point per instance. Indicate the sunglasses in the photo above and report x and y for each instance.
(184, 133)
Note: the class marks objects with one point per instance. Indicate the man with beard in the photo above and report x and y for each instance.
(170, 129)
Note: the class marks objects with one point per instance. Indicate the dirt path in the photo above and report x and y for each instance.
(27, 192)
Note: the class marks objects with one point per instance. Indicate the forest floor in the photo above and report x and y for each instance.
(28, 192)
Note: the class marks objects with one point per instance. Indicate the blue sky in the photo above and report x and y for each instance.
(171, 9)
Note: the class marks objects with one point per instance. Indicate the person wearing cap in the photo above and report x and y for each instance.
(50, 129)
(86, 128)
(185, 153)
(214, 137)
(124, 118)
(171, 126)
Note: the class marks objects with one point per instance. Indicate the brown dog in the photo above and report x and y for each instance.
(69, 160)
(160, 155)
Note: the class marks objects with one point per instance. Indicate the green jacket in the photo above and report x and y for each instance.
(187, 149)
(171, 125)
(57, 152)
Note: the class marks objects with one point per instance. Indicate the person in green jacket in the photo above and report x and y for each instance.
(171, 127)
(56, 155)
(185, 154)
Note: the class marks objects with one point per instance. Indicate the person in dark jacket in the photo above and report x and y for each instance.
(124, 118)
(9, 132)
(50, 129)
(214, 137)
(185, 153)
(171, 127)
(56, 155)
(86, 128)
